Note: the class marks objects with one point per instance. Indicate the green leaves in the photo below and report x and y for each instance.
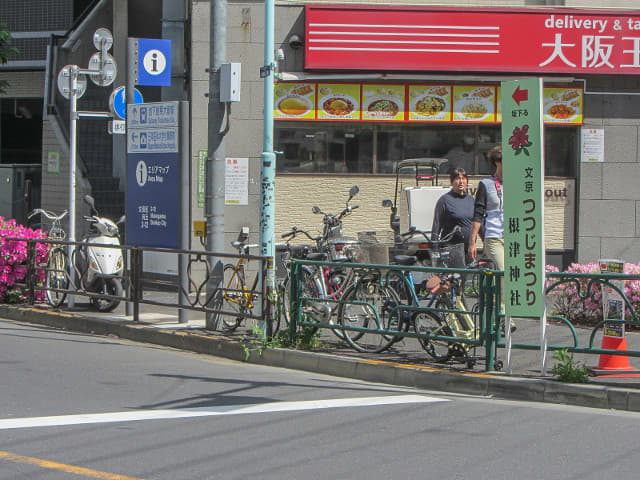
(6, 50)
(568, 370)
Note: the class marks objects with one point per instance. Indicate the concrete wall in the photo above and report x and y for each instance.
(245, 40)
(609, 201)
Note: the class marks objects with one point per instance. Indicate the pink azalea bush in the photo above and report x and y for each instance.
(567, 302)
(13, 260)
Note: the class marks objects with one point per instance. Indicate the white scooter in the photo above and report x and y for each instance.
(100, 268)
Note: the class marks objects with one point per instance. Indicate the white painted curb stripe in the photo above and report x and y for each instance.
(137, 415)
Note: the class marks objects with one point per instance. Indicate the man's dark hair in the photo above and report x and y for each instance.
(456, 172)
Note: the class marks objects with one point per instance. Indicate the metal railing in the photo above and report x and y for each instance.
(205, 267)
(487, 315)
(202, 268)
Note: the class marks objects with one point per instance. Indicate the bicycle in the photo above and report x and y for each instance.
(284, 254)
(57, 277)
(235, 295)
(444, 294)
(322, 286)
(373, 307)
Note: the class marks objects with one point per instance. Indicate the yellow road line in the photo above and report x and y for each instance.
(62, 467)
(420, 367)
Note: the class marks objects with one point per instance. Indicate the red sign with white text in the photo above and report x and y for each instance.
(432, 39)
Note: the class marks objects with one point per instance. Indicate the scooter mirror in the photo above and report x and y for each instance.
(387, 203)
(121, 220)
(88, 199)
(315, 209)
(354, 190)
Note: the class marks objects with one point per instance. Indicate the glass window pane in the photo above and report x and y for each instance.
(343, 148)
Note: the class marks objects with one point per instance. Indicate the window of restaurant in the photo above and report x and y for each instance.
(369, 148)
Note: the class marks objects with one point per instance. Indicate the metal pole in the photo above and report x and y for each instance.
(215, 168)
(73, 146)
(129, 99)
(185, 193)
(268, 157)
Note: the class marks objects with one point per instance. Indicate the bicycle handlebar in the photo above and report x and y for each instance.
(425, 234)
(49, 215)
(295, 231)
(344, 212)
(243, 247)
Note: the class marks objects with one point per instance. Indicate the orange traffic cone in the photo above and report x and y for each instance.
(614, 365)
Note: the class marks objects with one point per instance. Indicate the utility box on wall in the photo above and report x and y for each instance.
(230, 82)
(19, 190)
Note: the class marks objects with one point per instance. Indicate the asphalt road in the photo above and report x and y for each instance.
(83, 406)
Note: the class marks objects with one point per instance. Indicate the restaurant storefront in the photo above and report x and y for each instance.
(382, 84)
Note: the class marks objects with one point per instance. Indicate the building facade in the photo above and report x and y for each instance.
(347, 130)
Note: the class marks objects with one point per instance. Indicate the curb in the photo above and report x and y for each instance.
(379, 371)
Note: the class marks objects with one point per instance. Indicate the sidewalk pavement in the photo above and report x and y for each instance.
(404, 364)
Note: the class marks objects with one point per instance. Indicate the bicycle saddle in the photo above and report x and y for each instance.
(319, 257)
(405, 259)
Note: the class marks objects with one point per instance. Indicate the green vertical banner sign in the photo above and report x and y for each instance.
(523, 177)
(202, 172)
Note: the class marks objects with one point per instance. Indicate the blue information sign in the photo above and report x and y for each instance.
(153, 176)
(152, 190)
(154, 62)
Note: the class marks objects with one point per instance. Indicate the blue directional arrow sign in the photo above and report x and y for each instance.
(118, 101)
(154, 62)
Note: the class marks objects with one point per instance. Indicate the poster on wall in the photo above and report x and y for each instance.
(474, 103)
(236, 181)
(383, 102)
(430, 103)
(562, 105)
(592, 145)
(338, 101)
(295, 101)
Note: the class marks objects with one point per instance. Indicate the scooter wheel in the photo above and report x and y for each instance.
(113, 288)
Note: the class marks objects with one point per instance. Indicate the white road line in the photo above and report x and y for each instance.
(137, 415)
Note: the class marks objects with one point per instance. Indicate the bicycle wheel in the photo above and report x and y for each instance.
(427, 323)
(235, 299)
(360, 304)
(337, 283)
(314, 310)
(56, 277)
(281, 316)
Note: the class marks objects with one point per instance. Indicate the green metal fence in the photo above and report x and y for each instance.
(486, 315)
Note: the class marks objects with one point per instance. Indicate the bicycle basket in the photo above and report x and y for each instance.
(283, 256)
(375, 247)
(449, 257)
(344, 249)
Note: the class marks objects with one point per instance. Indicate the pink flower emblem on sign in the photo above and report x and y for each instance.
(520, 140)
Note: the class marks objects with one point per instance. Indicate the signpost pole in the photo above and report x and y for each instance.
(183, 209)
(129, 98)
(73, 150)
